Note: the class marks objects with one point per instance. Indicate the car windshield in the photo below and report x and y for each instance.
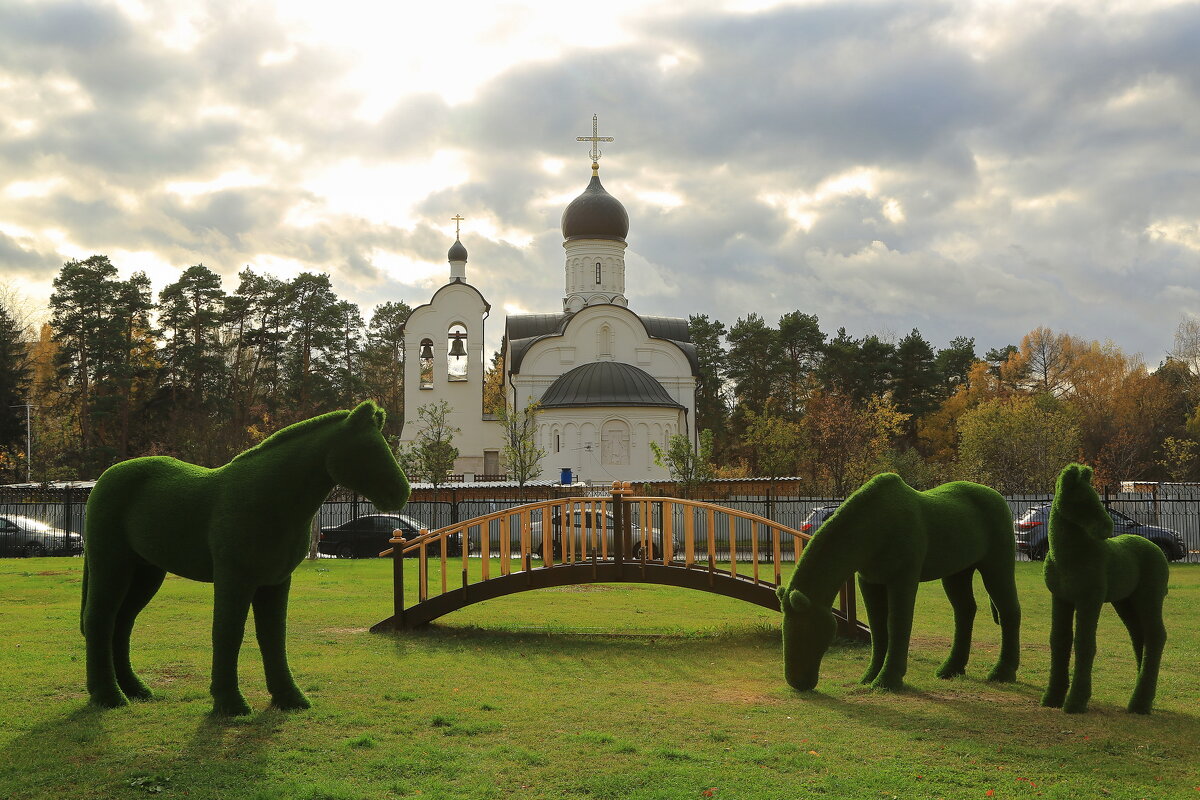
(1119, 517)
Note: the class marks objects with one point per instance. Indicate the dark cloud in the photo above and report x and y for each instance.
(1045, 177)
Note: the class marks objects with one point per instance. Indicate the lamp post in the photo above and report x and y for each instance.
(28, 441)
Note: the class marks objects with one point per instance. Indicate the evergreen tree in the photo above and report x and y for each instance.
(15, 374)
(712, 411)
(915, 381)
(753, 361)
(190, 313)
(802, 346)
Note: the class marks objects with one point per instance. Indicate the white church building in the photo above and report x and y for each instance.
(609, 381)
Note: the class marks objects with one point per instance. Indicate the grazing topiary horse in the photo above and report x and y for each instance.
(894, 537)
(243, 527)
(1086, 569)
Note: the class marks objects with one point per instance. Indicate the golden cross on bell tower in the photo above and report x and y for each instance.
(458, 218)
(594, 139)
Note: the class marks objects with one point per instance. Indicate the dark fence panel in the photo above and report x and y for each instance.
(64, 509)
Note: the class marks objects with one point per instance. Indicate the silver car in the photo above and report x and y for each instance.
(24, 536)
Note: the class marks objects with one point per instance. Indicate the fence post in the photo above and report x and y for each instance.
(68, 508)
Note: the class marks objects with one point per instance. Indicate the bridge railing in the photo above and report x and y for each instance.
(620, 527)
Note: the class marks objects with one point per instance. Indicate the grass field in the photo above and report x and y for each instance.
(622, 691)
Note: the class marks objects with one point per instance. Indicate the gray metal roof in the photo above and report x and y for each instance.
(606, 383)
(523, 330)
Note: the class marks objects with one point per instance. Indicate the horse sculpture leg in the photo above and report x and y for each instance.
(270, 624)
(1154, 638)
(1001, 584)
(144, 583)
(1087, 616)
(901, 600)
(875, 599)
(231, 604)
(1062, 620)
(107, 585)
(961, 594)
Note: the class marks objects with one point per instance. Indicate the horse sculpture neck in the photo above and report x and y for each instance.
(287, 471)
(835, 552)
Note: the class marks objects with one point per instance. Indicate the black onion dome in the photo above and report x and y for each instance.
(595, 214)
(457, 252)
(606, 383)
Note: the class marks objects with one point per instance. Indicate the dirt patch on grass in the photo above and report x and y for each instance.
(344, 630)
(49, 572)
(744, 695)
(582, 588)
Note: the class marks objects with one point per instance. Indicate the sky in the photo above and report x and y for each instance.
(964, 168)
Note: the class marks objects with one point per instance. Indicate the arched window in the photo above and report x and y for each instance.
(597, 272)
(425, 359)
(604, 342)
(456, 353)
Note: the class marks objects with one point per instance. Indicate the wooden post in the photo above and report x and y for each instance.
(618, 508)
(398, 581)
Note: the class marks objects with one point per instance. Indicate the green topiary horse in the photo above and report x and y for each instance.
(243, 527)
(894, 537)
(1086, 569)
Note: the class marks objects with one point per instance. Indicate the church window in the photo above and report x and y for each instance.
(597, 272)
(604, 341)
(456, 353)
(557, 443)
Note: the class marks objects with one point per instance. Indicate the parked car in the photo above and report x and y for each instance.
(23, 536)
(584, 521)
(816, 518)
(1030, 531)
(367, 536)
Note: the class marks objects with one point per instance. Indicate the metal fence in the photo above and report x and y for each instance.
(64, 509)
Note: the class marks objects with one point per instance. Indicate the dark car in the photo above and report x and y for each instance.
(816, 518)
(23, 536)
(369, 535)
(1030, 530)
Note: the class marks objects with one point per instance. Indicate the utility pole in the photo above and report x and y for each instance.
(28, 441)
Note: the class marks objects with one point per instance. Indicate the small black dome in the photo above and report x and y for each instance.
(606, 383)
(457, 252)
(595, 214)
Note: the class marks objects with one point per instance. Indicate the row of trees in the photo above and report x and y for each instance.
(200, 373)
(788, 400)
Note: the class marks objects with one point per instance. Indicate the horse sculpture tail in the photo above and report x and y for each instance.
(83, 599)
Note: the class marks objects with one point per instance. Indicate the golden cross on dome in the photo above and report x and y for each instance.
(458, 218)
(594, 139)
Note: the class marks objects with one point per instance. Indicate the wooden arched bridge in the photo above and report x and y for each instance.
(609, 539)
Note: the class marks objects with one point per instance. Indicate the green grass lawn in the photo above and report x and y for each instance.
(625, 691)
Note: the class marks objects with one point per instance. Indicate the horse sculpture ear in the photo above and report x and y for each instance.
(363, 413)
(798, 601)
(380, 418)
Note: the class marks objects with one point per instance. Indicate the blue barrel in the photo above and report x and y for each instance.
(564, 477)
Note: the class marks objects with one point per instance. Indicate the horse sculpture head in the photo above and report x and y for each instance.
(808, 630)
(1077, 505)
(360, 459)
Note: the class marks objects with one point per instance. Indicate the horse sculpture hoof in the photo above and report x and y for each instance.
(998, 675)
(946, 673)
(231, 706)
(109, 699)
(291, 701)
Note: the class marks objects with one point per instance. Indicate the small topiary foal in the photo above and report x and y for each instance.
(243, 527)
(1086, 569)
(894, 537)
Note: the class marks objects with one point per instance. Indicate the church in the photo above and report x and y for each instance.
(608, 381)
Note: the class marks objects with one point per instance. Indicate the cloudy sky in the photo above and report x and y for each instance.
(972, 169)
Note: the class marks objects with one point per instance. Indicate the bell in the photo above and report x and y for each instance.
(457, 350)
(427, 350)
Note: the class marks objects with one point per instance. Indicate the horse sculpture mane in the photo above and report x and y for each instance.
(894, 537)
(243, 526)
(1086, 569)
